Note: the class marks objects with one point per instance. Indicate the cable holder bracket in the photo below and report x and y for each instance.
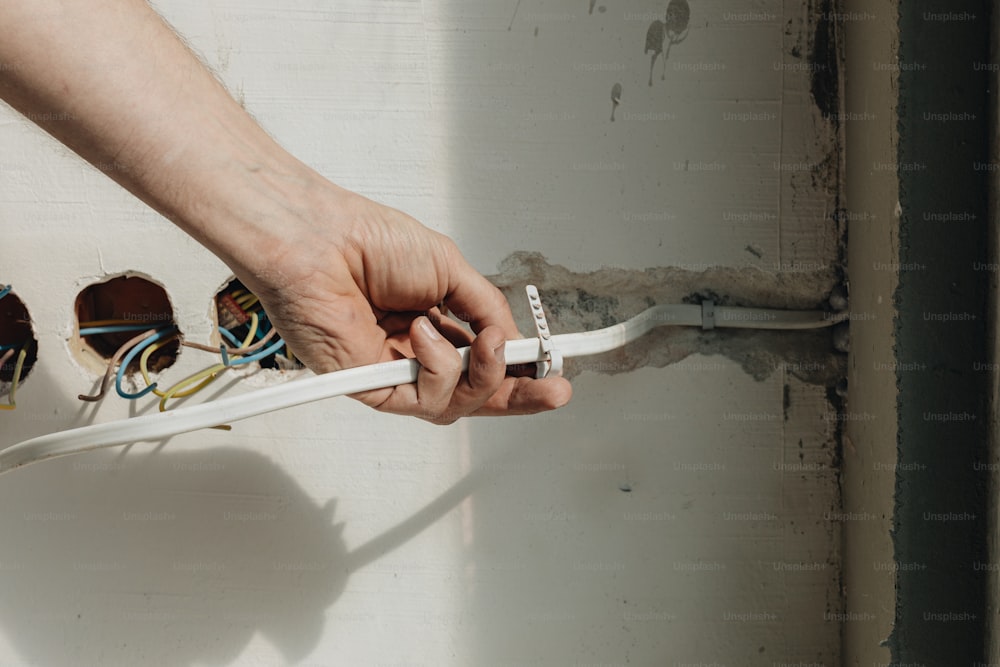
(553, 362)
(707, 315)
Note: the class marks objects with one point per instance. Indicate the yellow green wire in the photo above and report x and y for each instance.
(144, 360)
(206, 376)
(254, 322)
(203, 378)
(247, 301)
(107, 323)
(18, 367)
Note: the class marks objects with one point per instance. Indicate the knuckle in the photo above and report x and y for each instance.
(445, 417)
(453, 366)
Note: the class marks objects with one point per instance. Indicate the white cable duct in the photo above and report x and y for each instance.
(390, 374)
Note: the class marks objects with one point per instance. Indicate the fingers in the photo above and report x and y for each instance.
(476, 300)
(527, 396)
(443, 393)
(440, 372)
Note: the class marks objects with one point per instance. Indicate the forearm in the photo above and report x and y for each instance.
(182, 144)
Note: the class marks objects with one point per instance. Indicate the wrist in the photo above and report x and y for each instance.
(251, 210)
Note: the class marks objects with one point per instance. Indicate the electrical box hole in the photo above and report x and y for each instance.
(243, 322)
(17, 341)
(114, 312)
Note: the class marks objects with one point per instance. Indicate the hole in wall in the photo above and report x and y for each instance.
(116, 311)
(236, 307)
(16, 334)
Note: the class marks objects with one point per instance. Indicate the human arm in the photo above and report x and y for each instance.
(345, 280)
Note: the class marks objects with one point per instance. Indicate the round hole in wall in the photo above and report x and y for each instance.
(236, 308)
(111, 313)
(15, 335)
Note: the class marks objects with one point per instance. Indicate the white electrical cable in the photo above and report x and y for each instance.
(390, 374)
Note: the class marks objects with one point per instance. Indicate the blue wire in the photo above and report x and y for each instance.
(256, 356)
(5, 291)
(159, 335)
(261, 321)
(117, 328)
(8, 347)
(230, 337)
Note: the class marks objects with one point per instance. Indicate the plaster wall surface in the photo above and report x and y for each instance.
(870, 444)
(687, 512)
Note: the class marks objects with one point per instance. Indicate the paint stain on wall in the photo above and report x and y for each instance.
(616, 98)
(661, 35)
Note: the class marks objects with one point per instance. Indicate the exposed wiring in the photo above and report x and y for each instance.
(111, 365)
(115, 328)
(250, 315)
(247, 301)
(18, 365)
(204, 377)
(229, 336)
(263, 354)
(254, 321)
(159, 334)
(112, 322)
(3, 360)
(144, 360)
(235, 351)
(390, 374)
(18, 368)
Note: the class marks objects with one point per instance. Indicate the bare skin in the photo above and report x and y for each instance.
(346, 280)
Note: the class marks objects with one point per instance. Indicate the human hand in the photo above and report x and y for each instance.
(346, 281)
(365, 285)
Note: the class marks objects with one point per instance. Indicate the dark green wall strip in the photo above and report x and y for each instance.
(941, 334)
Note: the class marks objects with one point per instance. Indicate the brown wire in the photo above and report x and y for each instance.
(114, 361)
(236, 351)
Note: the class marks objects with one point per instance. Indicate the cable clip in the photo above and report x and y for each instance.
(707, 315)
(552, 364)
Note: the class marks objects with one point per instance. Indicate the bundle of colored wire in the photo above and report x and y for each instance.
(132, 347)
(111, 365)
(18, 365)
(239, 309)
(208, 375)
(18, 369)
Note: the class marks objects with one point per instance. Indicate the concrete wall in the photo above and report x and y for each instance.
(684, 509)
(870, 434)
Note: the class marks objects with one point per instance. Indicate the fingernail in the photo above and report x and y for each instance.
(429, 329)
(498, 351)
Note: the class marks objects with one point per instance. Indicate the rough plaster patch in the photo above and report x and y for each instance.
(593, 300)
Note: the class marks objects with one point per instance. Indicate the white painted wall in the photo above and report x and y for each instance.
(332, 535)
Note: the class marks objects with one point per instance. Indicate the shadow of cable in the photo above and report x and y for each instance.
(176, 558)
